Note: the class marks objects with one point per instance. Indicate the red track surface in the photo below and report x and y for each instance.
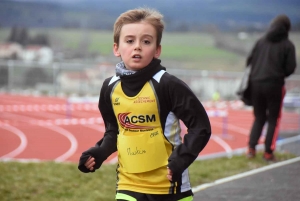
(44, 128)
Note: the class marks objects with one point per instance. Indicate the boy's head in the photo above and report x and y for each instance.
(147, 15)
(137, 37)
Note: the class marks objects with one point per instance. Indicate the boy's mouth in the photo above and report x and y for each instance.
(136, 56)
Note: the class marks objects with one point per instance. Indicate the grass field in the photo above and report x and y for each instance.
(179, 50)
(50, 181)
(186, 50)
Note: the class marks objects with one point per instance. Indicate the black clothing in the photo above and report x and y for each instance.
(272, 59)
(155, 197)
(266, 97)
(174, 97)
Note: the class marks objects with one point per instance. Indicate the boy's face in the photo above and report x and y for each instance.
(137, 45)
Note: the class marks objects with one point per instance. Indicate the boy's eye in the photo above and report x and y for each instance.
(147, 42)
(129, 41)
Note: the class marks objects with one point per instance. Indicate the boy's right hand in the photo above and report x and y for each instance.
(91, 160)
(89, 164)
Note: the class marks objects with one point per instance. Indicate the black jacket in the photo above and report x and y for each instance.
(174, 96)
(273, 57)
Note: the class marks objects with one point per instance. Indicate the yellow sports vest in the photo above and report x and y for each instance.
(141, 146)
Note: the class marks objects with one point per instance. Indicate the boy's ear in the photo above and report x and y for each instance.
(158, 52)
(116, 52)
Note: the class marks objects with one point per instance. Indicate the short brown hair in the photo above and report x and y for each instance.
(151, 16)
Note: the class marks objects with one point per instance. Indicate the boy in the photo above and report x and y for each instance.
(141, 106)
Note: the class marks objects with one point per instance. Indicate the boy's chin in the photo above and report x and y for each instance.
(135, 67)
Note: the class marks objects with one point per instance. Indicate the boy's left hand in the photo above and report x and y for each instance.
(169, 174)
(89, 164)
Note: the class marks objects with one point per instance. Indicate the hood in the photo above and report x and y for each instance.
(279, 28)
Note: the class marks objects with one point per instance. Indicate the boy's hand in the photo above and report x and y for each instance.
(169, 174)
(89, 164)
(91, 160)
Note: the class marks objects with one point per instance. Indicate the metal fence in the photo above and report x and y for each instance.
(86, 78)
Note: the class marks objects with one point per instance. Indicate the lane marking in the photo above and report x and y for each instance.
(71, 138)
(60, 130)
(245, 174)
(240, 151)
(22, 137)
(67, 121)
(223, 144)
(97, 128)
(233, 128)
(49, 107)
(228, 151)
(113, 160)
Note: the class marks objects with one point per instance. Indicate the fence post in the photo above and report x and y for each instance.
(225, 122)
(10, 65)
(68, 109)
(54, 74)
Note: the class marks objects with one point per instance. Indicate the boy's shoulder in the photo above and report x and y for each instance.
(110, 80)
(168, 77)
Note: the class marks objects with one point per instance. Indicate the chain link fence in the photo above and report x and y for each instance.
(86, 78)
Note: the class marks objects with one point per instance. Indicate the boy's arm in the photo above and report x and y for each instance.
(188, 108)
(108, 144)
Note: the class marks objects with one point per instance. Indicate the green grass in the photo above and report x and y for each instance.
(179, 46)
(50, 181)
(179, 50)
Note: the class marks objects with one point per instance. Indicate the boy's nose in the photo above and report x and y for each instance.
(137, 46)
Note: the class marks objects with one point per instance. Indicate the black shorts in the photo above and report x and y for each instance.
(123, 195)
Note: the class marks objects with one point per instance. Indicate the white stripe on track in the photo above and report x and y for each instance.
(223, 144)
(233, 128)
(245, 174)
(96, 127)
(22, 145)
(228, 151)
(58, 129)
(49, 107)
(114, 160)
(71, 138)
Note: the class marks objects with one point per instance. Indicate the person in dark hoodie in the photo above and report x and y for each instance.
(273, 58)
(142, 106)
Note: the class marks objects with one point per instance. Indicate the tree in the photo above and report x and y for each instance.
(18, 35)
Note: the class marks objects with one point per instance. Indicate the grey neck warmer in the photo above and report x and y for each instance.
(121, 70)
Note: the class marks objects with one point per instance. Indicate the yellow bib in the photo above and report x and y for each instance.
(140, 142)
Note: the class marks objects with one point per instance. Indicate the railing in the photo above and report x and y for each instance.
(67, 78)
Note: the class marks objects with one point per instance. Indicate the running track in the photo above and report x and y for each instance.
(52, 129)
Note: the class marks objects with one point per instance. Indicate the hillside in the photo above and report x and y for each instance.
(188, 15)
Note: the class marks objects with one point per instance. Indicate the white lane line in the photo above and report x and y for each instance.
(228, 151)
(114, 160)
(245, 174)
(70, 137)
(97, 128)
(233, 128)
(58, 129)
(223, 144)
(22, 145)
(49, 107)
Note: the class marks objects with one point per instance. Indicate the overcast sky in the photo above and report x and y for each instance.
(65, 1)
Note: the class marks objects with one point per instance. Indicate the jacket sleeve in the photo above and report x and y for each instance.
(250, 56)
(189, 109)
(108, 144)
(290, 60)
